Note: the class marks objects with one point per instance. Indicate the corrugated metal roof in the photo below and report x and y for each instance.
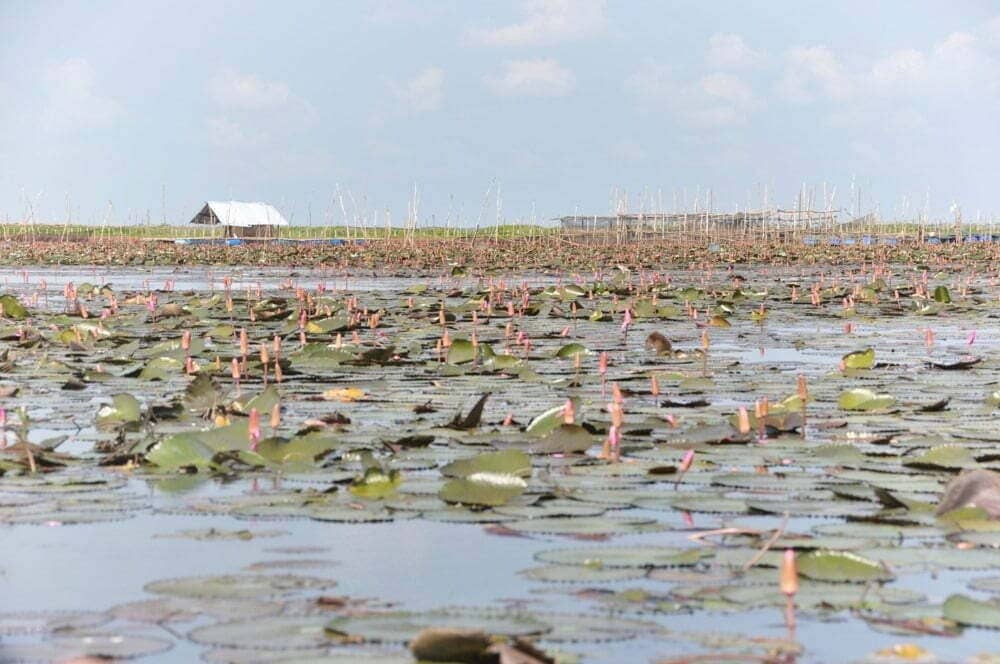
(239, 214)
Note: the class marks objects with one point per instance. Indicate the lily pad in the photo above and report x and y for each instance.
(841, 567)
(969, 611)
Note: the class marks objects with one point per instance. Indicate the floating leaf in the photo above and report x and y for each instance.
(840, 566)
(461, 351)
(581, 574)
(507, 462)
(942, 295)
(549, 420)
(968, 611)
(943, 456)
(344, 394)
(180, 451)
(565, 439)
(11, 307)
(572, 350)
(484, 488)
(860, 359)
(237, 586)
(123, 410)
(376, 484)
(864, 399)
(626, 556)
(587, 526)
(402, 627)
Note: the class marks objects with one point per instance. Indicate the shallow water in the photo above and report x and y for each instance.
(422, 564)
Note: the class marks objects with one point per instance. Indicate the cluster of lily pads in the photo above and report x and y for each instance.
(709, 419)
(425, 254)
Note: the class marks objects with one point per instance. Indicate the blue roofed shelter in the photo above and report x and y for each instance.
(242, 220)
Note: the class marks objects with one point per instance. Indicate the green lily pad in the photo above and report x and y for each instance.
(487, 489)
(572, 350)
(581, 574)
(238, 586)
(123, 410)
(461, 351)
(586, 526)
(864, 400)
(860, 359)
(506, 462)
(402, 627)
(968, 611)
(11, 307)
(841, 567)
(624, 557)
(551, 419)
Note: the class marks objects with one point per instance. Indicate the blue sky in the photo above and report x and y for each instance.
(565, 106)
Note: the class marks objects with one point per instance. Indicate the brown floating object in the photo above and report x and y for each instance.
(659, 343)
(973, 488)
(448, 644)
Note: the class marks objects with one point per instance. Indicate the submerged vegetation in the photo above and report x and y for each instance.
(788, 446)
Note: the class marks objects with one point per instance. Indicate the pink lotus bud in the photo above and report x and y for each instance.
(253, 429)
(602, 363)
(569, 412)
(3, 417)
(971, 339)
(615, 437)
(686, 461)
(627, 320)
(788, 575)
(744, 420)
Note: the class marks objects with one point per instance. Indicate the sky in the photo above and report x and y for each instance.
(458, 112)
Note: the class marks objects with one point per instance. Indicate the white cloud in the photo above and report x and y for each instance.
(904, 67)
(545, 22)
(538, 78)
(729, 51)
(253, 111)
(73, 99)
(961, 61)
(814, 72)
(714, 101)
(228, 133)
(959, 66)
(400, 12)
(246, 91)
(424, 91)
(728, 88)
(653, 86)
(992, 30)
